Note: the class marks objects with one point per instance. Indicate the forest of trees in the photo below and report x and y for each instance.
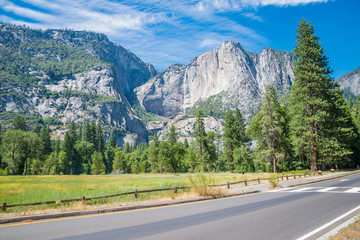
(314, 128)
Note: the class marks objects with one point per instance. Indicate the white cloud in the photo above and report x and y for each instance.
(252, 16)
(159, 31)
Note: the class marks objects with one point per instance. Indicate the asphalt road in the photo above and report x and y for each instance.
(304, 212)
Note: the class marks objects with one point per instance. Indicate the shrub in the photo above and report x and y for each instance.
(273, 181)
(201, 184)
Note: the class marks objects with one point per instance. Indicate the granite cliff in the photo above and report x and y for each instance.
(226, 77)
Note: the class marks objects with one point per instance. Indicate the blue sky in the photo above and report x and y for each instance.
(165, 32)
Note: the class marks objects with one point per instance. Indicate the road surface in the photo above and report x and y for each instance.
(305, 212)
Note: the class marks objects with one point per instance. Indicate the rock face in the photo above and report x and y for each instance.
(351, 81)
(100, 94)
(237, 77)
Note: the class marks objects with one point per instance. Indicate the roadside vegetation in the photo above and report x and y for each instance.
(350, 232)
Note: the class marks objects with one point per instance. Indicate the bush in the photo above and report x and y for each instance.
(3, 172)
(201, 184)
(273, 181)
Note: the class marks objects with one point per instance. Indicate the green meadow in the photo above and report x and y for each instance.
(27, 189)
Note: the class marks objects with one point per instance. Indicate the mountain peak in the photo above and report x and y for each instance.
(229, 45)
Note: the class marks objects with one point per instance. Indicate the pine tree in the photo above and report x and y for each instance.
(172, 135)
(310, 94)
(239, 129)
(186, 143)
(111, 141)
(45, 140)
(97, 166)
(199, 132)
(118, 161)
(271, 126)
(229, 144)
(19, 123)
(339, 135)
(69, 150)
(100, 139)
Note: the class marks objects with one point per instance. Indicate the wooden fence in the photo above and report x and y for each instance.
(4, 206)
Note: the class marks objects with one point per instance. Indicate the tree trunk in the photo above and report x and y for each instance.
(313, 151)
(274, 156)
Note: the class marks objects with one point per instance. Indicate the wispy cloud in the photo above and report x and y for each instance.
(159, 31)
(252, 16)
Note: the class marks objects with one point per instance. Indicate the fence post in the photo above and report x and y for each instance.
(228, 185)
(245, 183)
(287, 177)
(282, 178)
(3, 207)
(175, 189)
(258, 180)
(294, 176)
(304, 175)
(135, 193)
(83, 199)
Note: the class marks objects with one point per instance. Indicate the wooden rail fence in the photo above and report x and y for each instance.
(4, 206)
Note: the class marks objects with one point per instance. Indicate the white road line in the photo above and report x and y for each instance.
(328, 224)
(343, 180)
(326, 189)
(278, 190)
(353, 190)
(302, 189)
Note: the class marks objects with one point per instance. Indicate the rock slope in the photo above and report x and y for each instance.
(351, 81)
(231, 76)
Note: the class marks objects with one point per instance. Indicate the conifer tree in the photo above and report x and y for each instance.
(118, 161)
(100, 139)
(97, 166)
(229, 144)
(19, 123)
(111, 141)
(239, 129)
(172, 135)
(310, 94)
(271, 126)
(45, 140)
(199, 132)
(36, 128)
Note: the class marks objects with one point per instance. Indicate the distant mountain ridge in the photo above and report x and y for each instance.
(231, 76)
(350, 83)
(66, 75)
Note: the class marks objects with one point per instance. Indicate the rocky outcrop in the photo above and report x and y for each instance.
(101, 93)
(351, 81)
(238, 77)
(130, 71)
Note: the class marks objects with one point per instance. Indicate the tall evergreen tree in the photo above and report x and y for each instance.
(199, 132)
(45, 140)
(100, 139)
(310, 94)
(239, 129)
(111, 141)
(20, 123)
(172, 135)
(271, 126)
(229, 144)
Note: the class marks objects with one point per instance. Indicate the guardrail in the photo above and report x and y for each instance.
(4, 206)
(258, 180)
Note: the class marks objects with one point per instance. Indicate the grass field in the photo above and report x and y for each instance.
(26, 189)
